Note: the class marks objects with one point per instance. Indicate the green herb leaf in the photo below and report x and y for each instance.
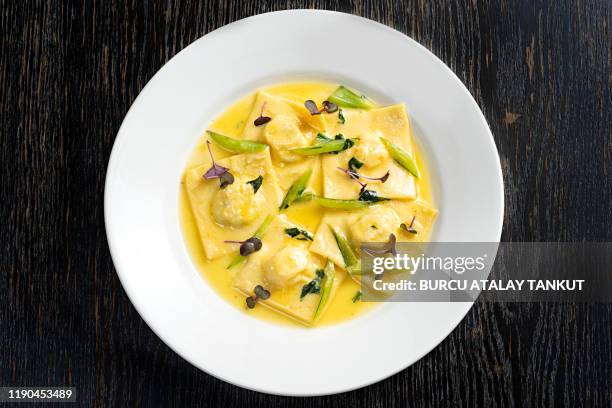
(299, 234)
(314, 286)
(341, 118)
(371, 196)
(256, 183)
(357, 296)
(355, 164)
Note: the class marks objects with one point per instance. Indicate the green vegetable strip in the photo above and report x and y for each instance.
(354, 269)
(402, 157)
(336, 145)
(305, 196)
(235, 145)
(342, 204)
(326, 287)
(348, 255)
(348, 98)
(296, 189)
(259, 233)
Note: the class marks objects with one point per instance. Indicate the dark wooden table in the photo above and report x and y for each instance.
(541, 73)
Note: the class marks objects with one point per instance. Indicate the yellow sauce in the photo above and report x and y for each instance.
(231, 123)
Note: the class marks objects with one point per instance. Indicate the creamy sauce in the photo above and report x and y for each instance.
(231, 123)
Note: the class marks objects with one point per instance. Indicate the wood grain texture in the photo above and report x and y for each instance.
(69, 71)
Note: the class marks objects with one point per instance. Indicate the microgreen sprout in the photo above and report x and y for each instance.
(247, 247)
(353, 174)
(217, 171)
(326, 106)
(364, 193)
(262, 120)
(387, 248)
(259, 293)
(409, 228)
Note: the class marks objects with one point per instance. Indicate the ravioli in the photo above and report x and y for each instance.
(218, 212)
(275, 107)
(374, 223)
(292, 126)
(368, 126)
(284, 265)
(324, 242)
(424, 216)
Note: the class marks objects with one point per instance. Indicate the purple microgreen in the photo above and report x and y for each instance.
(217, 171)
(356, 176)
(262, 120)
(251, 302)
(312, 107)
(409, 228)
(226, 179)
(259, 293)
(362, 189)
(326, 106)
(247, 247)
(382, 179)
(256, 183)
(353, 175)
(387, 248)
(329, 107)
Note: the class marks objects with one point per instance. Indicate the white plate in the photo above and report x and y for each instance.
(168, 117)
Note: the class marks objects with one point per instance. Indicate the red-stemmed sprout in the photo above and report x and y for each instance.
(326, 106)
(387, 248)
(356, 176)
(262, 120)
(217, 171)
(364, 193)
(258, 293)
(409, 228)
(247, 247)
